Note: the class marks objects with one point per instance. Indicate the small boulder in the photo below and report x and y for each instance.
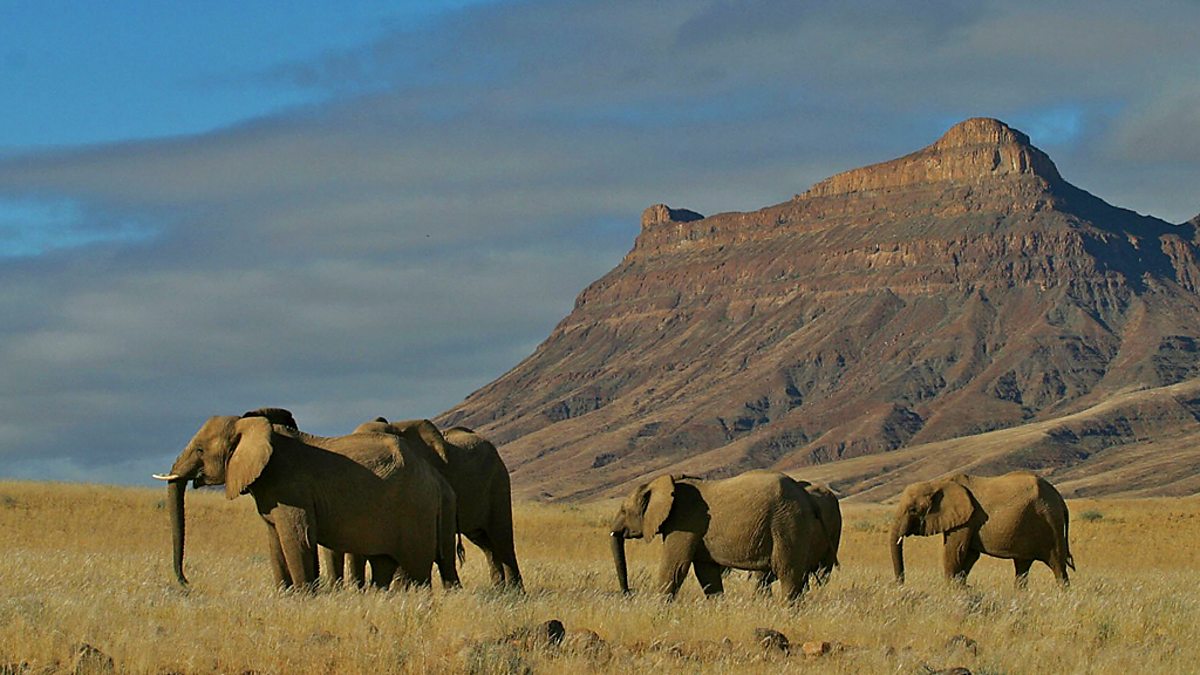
(586, 641)
(546, 634)
(815, 648)
(771, 639)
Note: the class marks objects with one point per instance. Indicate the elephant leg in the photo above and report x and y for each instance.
(678, 550)
(792, 584)
(415, 568)
(279, 568)
(500, 532)
(506, 556)
(1058, 565)
(958, 556)
(762, 582)
(495, 565)
(295, 527)
(825, 568)
(1022, 569)
(330, 563)
(448, 572)
(355, 570)
(671, 574)
(709, 576)
(383, 570)
(789, 565)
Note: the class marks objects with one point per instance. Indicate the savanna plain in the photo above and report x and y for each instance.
(90, 564)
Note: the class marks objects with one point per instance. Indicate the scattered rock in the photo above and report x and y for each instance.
(553, 631)
(964, 642)
(546, 634)
(587, 642)
(815, 648)
(584, 636)
(769, 638)
(91, 661)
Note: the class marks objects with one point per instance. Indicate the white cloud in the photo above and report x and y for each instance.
(411, 239)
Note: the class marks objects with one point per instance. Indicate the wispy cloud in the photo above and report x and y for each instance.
(29, 228)
(418, 230)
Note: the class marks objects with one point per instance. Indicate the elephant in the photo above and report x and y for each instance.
(759, 521)
(1019, 516)
(830, 514)
(474, 469)
(332, 567)
(368, 493)
(281, 416)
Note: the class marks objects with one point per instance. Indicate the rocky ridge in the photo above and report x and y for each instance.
(960, 289)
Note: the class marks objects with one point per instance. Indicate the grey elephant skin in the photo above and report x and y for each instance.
(760, 521)
(829, 512)
(368, 493)
(474, 469)
(1018, 516)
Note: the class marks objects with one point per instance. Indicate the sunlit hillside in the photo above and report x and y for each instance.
(88, 564)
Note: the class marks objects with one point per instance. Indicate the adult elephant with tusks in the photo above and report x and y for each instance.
(1018, 516)
(759, 521)
(365, 493)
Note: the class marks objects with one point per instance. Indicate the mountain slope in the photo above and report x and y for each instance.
(960, 289)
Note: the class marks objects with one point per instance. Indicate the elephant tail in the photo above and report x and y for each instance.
(1070, 559)
(459, 550)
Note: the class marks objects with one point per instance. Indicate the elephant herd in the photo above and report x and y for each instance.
(394, 496)
(397, 497)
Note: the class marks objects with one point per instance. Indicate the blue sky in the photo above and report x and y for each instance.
(362, 209)
(97, 72)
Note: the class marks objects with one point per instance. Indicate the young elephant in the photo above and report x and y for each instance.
(759, 521)
(368, 493)
(1018, 516)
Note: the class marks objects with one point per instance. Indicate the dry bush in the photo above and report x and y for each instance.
(88, 564)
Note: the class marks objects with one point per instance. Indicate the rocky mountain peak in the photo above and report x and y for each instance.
(960, 289)
(661, 213)
(975, 150)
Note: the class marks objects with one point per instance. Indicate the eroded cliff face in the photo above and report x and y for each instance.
(961, 288)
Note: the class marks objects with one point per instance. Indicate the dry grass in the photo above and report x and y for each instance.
(90, 564)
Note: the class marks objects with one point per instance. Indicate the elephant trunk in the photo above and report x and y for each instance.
(897, 544)
(175, 490)
(618, 551)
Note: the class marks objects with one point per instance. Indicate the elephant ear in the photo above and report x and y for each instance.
(661, 496)
(432, 437)
(250, 454)
(950, 507)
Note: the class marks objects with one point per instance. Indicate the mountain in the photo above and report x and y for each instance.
(958, 290)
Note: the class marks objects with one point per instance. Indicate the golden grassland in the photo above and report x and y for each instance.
(91, 564)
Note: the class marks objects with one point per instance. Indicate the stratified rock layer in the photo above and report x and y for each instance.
(962, 288)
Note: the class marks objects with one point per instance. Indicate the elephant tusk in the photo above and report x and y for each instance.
(899, 540)
(159, 476)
